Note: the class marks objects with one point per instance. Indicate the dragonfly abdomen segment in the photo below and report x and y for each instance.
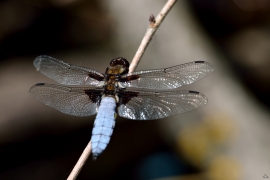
(103, 126)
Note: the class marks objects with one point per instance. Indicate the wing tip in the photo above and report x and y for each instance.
(38, 60)
(40, 84)
(211, 68)
(34, 86)
(194, 92)
(200, 94)
(200, 61)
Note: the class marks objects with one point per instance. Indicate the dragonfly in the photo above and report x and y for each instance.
(140, 95)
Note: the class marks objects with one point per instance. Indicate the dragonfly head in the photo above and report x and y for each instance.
(119, 65)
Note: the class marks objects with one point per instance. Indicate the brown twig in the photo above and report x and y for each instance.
(154, 24)
(77, 168)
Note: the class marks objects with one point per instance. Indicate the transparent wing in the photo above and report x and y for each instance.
(143, 105)
(65, 73)
(168, 78)
(68, 100)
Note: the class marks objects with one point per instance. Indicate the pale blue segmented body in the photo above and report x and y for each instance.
(103, 126)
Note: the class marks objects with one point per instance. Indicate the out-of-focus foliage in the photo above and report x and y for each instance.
(240, 30)
(204, 143)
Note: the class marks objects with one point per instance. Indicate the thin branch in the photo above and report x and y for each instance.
(154, 24)
(77, 168)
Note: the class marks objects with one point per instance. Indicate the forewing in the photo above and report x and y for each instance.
(143, 105)
(168, 78)
(69, 100)
(65, 73)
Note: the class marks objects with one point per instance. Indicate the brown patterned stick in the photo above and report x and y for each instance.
(77, 168)
(154, 24)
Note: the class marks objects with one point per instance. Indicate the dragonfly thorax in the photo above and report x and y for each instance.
(118, 67)
(110, 85)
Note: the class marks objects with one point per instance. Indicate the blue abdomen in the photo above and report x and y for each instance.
(103, 126)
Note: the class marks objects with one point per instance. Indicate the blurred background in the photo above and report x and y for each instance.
(227, 139)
